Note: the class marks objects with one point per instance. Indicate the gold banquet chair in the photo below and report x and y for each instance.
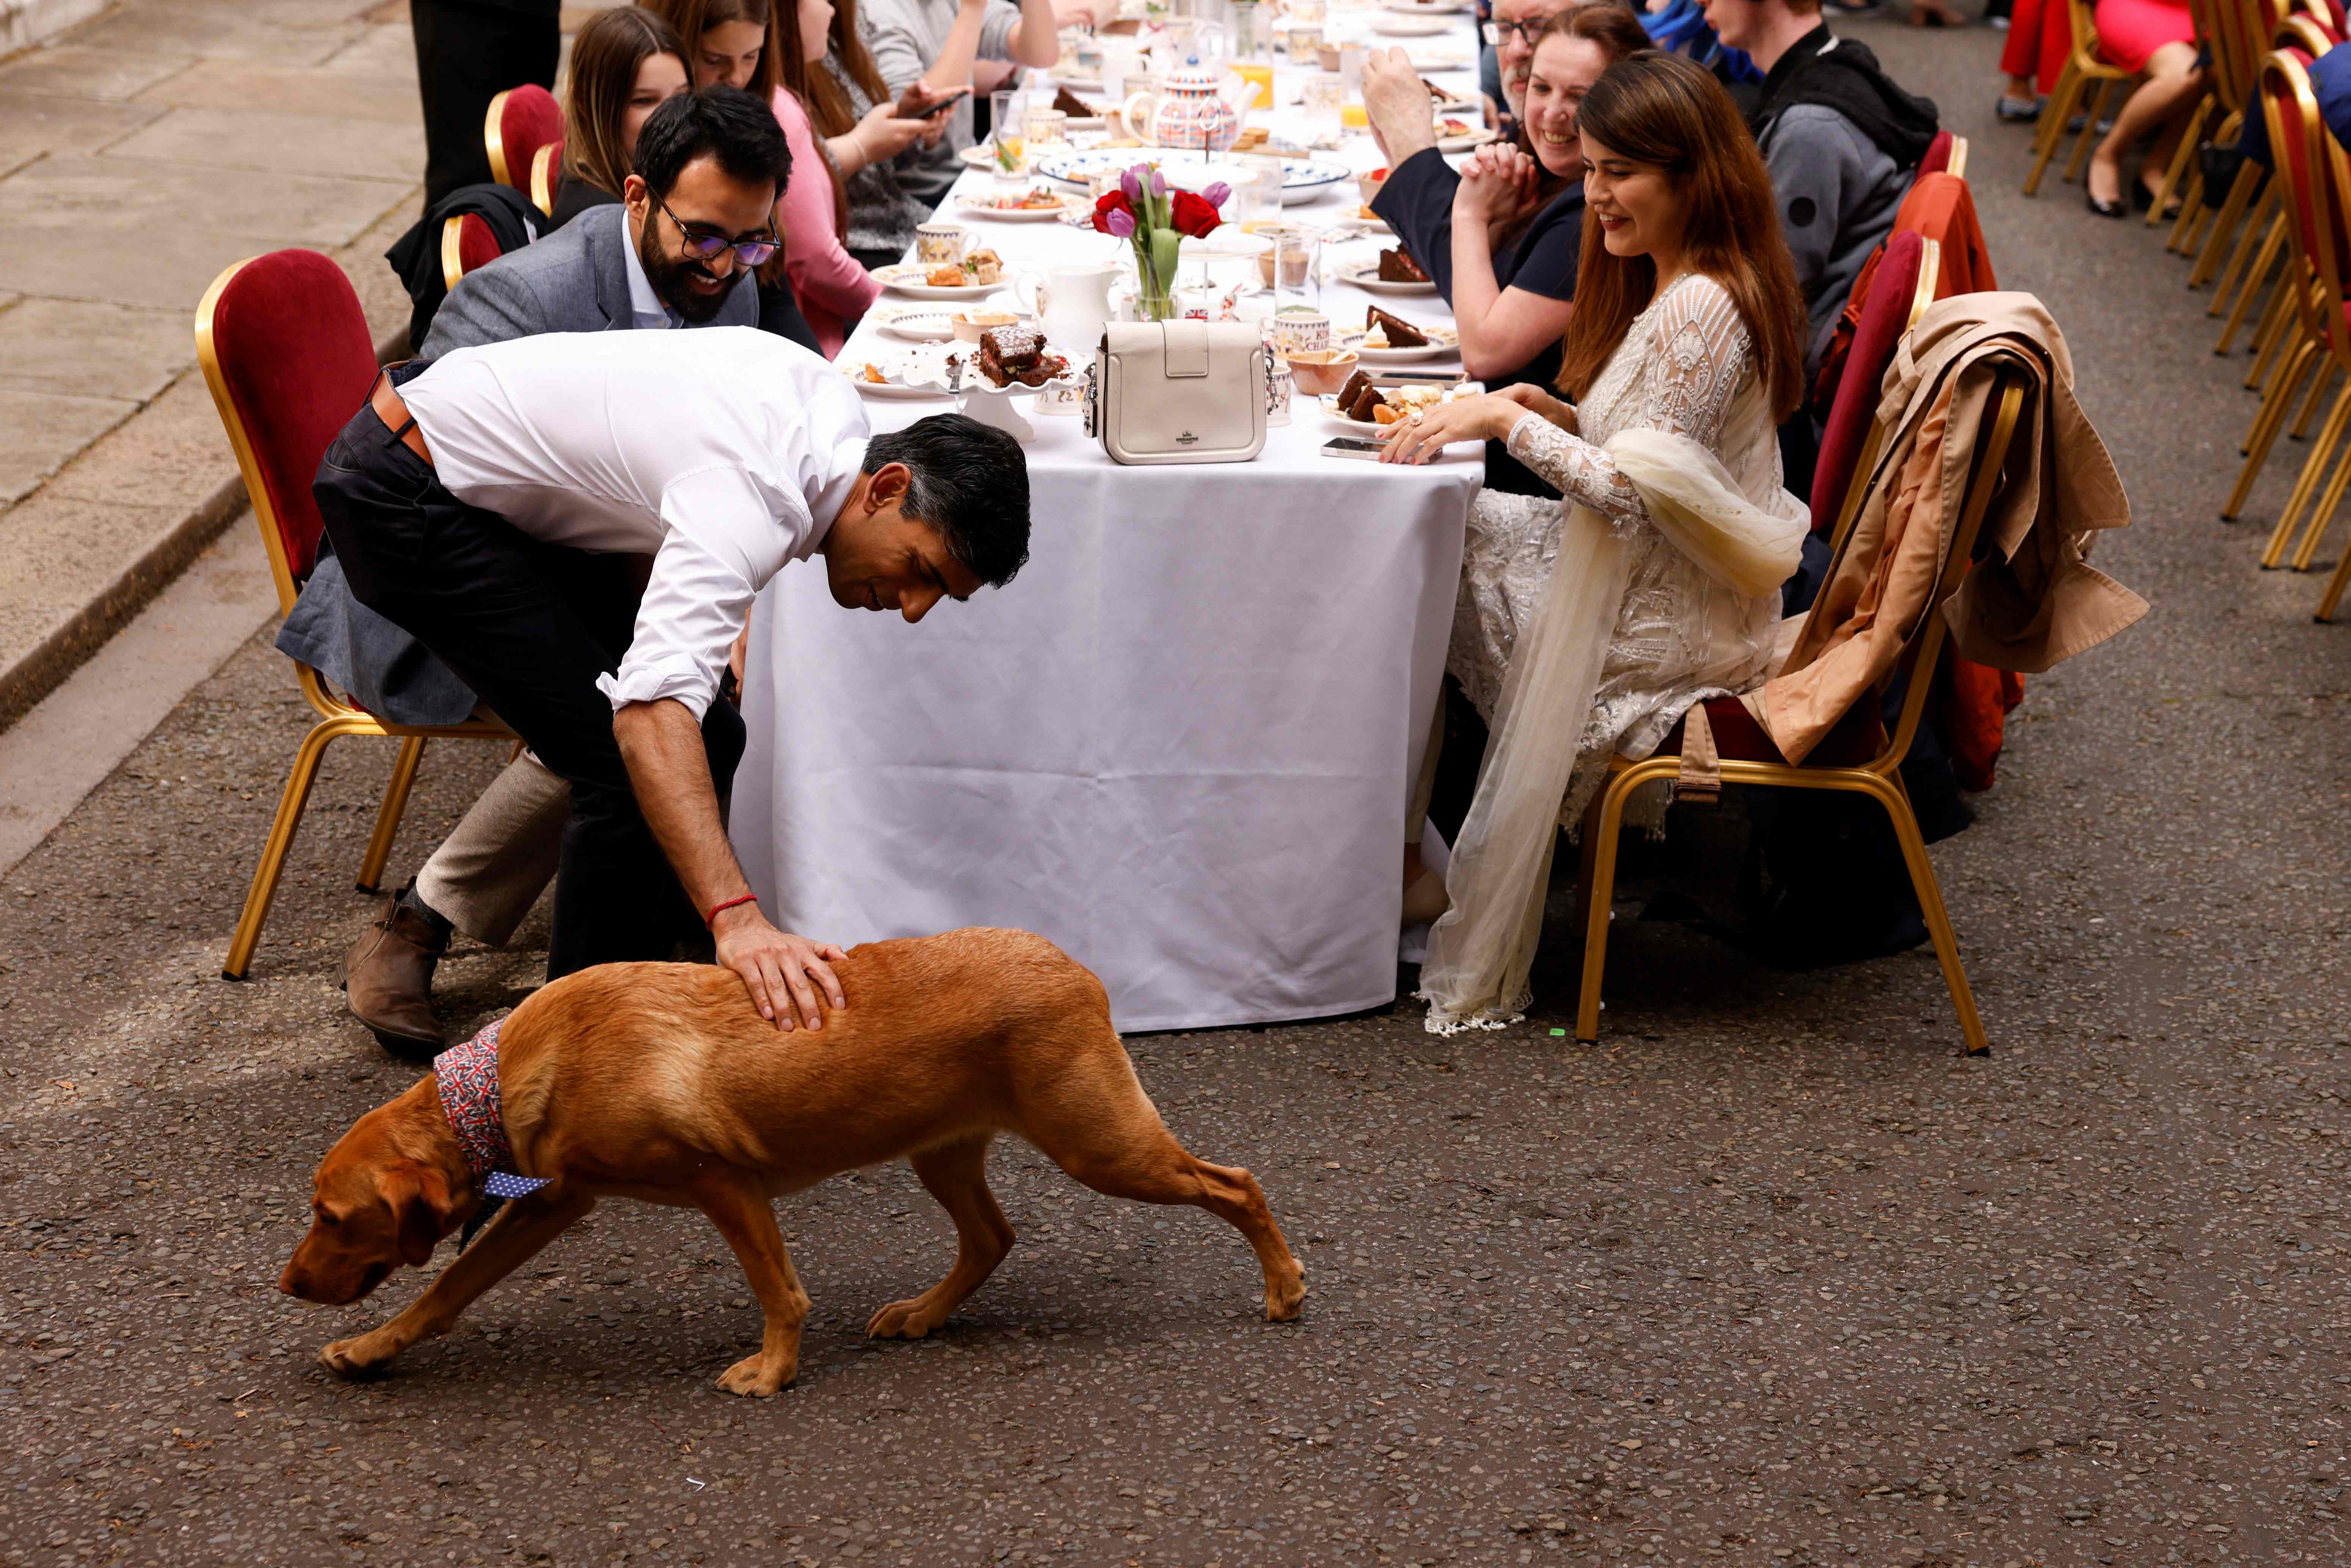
(1851, 759)
(285, 348)
(2084, 67)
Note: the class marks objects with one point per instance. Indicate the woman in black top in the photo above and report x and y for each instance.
(625, 63)
(1500, 238)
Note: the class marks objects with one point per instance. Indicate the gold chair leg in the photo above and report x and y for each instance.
(290, 802)
(2053, 115)
(1930, 903)
(2314, 470)
(2232, 211)
(2179, 167)
(2090, 131)
(2334, 586)
(1600, 832)
(2279, 322)
(387, 816)
(2190, 220)
(2322, 512)
(2265, 428)
(2265, 264)
(2317, 394)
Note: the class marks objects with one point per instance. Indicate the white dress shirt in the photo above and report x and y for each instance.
(646, 308)
(724, 454)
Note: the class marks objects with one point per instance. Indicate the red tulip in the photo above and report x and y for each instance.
(1194, 216)
(1115, 202)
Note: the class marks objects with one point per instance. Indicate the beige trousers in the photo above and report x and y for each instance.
(495, 863)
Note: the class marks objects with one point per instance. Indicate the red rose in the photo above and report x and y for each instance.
(1193, 216)
(1113, 202)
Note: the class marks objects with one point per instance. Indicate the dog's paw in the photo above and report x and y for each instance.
(757, 1377)
(1281, 1302)
(900, 1320)
(362, 1355)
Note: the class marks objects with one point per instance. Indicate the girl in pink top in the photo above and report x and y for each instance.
(831, 288)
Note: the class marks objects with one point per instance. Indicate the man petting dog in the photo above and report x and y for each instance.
(500, 504)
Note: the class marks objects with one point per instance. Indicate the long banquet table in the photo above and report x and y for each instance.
(1179, 744)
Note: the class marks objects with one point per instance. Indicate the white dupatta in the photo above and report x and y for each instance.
(1481, 949)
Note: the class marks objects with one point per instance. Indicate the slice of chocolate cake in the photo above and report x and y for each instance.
(1399, 332)
(1073, 106)
(1396, 266)
(1359, 397)
(1009, 354)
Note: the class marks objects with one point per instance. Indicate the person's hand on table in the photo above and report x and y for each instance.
(1422, 437)
(1403, 116)
(781, 970)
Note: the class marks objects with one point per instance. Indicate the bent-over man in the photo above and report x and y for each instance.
(497, 505)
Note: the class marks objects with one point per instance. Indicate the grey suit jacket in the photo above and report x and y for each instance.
(574, 280)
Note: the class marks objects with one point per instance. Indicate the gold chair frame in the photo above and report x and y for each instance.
(1922, 294)
(2083, 67)
(543, 178)
(494, 140)
(337, 717)
(1879, 778)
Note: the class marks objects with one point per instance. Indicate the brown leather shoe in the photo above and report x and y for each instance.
(388, 976)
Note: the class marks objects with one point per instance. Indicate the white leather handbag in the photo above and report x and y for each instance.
(1179, 392)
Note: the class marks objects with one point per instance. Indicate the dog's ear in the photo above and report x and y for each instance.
(421, 1211)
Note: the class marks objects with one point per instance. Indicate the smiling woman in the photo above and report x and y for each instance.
(625, 63)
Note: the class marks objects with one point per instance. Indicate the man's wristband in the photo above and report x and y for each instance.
(712, 918)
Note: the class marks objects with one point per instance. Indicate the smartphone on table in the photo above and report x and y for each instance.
(1353, 446)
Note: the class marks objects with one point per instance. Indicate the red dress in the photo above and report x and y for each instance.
(2130, 31)
(2040, 36)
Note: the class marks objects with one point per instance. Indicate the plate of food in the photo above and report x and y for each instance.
(1037, 204)
(916, 323)
(1016, 357)
(1437, 59)
(976, 276)
(1301, 178)
(1458, 135)
(1362, 407)
(1394, 273)
(1395, 23)
(1082, 116)
(1388, 339)
(918, 370)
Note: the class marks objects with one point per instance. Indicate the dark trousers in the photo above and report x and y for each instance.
(468, 52)
(529, 626)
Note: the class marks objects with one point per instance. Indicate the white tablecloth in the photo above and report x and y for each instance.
(1179, 744)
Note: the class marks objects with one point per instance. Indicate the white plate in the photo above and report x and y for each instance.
(973, 206)
(919, 324)
(1301, 177)
(1442, 341)
(892, 391)
(906, 278)
(1465, 143)
(1424, 7)
(1365, 276)
(1330, 402)
(1437, 59)
(1400, 26)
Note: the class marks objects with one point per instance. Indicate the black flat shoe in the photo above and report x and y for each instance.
(2106, 209)
(2142, 200)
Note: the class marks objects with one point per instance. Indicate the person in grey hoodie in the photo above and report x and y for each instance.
(1842, 141)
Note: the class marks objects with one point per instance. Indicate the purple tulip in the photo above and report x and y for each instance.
(1132, 183)
(1214, 194)
(1158, 184)
(1120, 223)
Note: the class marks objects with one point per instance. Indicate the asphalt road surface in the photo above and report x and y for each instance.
(1773, 1275)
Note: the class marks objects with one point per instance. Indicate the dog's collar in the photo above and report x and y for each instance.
(468, 1079)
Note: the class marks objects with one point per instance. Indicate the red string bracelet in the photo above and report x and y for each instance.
(714, 914)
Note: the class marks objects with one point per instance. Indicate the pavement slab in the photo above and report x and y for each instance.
(296, 33)
(65, 71)
(1772, 1275)
(39, 430)
(34, 125)
(281, 143)
(87, 349)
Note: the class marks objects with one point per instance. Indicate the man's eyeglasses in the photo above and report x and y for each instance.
(702, 246)
(1495, 32)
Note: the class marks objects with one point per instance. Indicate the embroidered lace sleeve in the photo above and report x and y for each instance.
(1697, 352)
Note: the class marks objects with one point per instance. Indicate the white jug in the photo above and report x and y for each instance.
(1071, 304)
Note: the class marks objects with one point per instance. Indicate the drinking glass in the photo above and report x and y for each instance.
(1004, 129)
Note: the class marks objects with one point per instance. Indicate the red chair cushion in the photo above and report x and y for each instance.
(1938, 156)
(292, 345)
(528, 121)
(1885, 316)
(478, 244)
(1855, 738)
(1942, 208)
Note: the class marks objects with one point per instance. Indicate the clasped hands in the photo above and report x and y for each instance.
(1490, 416)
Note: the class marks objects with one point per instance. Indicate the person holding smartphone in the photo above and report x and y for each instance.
(928, 47)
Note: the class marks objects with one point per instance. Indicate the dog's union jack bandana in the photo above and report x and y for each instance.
(468, 1079)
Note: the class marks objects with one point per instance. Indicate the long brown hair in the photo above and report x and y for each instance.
(692, 18)
(604, 61)
(827, 99)
(1668, 111)
(1610, 28)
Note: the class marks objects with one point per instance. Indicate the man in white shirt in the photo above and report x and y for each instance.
(497, 502)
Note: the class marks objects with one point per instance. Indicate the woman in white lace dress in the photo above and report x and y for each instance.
(1648, 588)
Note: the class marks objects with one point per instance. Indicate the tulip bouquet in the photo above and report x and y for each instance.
(1154, 218)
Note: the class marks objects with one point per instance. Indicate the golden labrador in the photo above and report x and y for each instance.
(660, 1082)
